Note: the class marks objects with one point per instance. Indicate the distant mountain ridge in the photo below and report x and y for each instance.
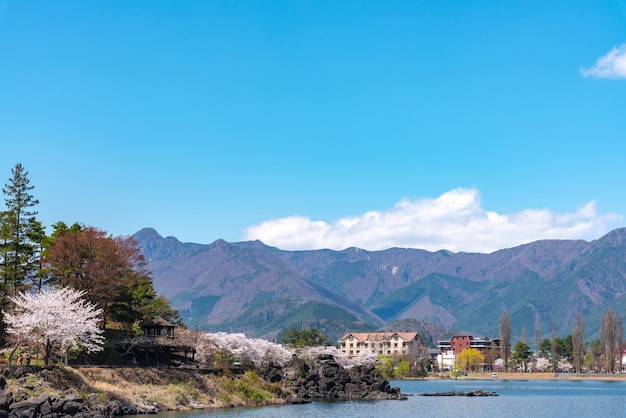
(261, 290)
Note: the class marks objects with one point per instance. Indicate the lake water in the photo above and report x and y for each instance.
(516, 398)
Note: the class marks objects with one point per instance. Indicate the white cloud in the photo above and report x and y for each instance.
(454, 221)
(611, 65)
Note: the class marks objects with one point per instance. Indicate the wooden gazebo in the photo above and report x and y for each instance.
(158, 327)
(157, 346)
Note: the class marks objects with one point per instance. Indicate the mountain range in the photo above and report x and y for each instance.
(261, 290)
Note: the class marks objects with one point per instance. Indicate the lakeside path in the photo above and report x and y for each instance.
(543, 376)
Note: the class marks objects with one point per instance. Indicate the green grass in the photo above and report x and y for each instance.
(250, 388)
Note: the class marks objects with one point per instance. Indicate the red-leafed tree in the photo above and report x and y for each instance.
(104, 267)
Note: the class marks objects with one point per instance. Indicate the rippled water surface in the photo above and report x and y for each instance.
(516, 398)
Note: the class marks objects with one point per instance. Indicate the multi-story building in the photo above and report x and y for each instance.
(460, 342)
(449, 349)
(395, 344)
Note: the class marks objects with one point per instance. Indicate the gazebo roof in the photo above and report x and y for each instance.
(158, 322)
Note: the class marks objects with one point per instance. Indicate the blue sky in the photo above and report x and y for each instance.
(465, 125)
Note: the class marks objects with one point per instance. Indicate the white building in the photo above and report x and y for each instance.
(446, 360)
(394, 344)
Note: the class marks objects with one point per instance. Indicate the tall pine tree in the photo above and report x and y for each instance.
(19, 263)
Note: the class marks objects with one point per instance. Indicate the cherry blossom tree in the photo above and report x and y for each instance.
(223, 347)
(565, 366)
(365, 358)
(239, 347)
(499, 364)
(542, 364)
(58, 319)
(312, 352)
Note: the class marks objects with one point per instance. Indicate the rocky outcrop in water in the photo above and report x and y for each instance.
(471, 393)
(327, 379)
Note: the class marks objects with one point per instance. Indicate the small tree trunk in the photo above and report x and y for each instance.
(47, 352)
(13, 351)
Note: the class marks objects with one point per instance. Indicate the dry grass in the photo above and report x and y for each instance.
(171, 389)
(146, 387)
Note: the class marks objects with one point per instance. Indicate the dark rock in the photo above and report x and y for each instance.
(45, 408)
(471, 393)
(6, 397)
(57, 404)
(72, 407)
(111, 409)
(327, 379)
(72, 395)
(272, 374)
(294, 400)
(24, 409)
(129, 409)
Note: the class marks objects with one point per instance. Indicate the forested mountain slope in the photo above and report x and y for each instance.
(261, 290)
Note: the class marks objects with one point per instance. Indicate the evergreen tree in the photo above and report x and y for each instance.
(564, 347)
(593, 358)
(546, 348)
(521, 354)
(40, 241)
(18, 263)
(295, 337)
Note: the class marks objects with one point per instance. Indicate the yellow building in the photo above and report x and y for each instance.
(394, 344)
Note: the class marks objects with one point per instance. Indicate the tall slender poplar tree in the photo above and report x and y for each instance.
(538, 336)
(553, 347)
(609, 340)
(578, 343)
(505, 338)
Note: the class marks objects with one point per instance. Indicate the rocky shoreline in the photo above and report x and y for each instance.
(57, 392)
(66, 403)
